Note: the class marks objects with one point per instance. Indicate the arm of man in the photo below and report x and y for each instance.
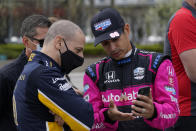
(93, 96)
(165, 97)
(105, 118)
(61, 99)
(189, 63)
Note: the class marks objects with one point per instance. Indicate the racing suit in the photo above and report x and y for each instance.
(42, 87)
(108, 79)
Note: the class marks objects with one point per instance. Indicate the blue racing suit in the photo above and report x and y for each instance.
(42, 88)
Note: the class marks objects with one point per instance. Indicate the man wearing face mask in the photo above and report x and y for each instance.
(33, 31)
(43, 87)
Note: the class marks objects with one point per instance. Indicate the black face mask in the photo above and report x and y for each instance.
(69, 60)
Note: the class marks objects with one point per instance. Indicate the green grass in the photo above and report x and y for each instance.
(154, 47)
(98, 50)
(89, 49)
(13, 50)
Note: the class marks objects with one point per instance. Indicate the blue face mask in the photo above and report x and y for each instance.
(38, 47)
(69, 60)
(40, 43)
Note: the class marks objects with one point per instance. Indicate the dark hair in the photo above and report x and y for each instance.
(30, 24)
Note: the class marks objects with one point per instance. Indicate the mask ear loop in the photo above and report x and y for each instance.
(65, 44)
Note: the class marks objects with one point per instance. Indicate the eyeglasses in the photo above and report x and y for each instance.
(41, 42)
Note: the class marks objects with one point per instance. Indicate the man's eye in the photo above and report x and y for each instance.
(104, 43)
(115, 39)
(78, 50)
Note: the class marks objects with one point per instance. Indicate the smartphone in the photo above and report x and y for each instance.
(144, 91)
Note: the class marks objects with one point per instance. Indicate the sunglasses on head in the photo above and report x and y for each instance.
(41, 42)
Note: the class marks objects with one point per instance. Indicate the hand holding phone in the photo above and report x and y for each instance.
(144, 106)
(144, 91)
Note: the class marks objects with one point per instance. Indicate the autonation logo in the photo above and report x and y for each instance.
(130, 96)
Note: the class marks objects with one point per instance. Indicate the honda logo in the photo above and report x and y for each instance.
(110, 75)
(170, 71)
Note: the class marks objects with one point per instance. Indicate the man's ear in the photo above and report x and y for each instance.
(58, 42)
(25, 41)
(127, 29)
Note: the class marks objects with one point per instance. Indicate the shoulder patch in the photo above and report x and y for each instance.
(157, 59)
(31, 56)
(91, 70)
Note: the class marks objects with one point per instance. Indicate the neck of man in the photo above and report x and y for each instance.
(128, 53)
(28, 52)
(129, 49)
(52, 54)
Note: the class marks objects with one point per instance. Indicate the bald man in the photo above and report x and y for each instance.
(43, 87)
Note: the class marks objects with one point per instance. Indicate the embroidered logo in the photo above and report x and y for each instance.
(102, 25)
(86, 87)
(139, 73)
(110, 77)
(115, 34)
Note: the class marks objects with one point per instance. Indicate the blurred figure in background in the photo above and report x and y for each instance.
(33, 31)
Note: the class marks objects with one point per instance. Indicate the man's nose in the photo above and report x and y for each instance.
(112, 46)
(81, 54)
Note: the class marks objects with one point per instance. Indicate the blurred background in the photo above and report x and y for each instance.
(148, 20)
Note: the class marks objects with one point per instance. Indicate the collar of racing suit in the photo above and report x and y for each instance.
(44, 60)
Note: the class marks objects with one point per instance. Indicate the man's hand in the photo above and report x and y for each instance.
(114, 114)
(57, 119)
(143, 107)
(78, 91)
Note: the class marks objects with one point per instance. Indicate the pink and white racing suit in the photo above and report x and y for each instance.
(109, 79)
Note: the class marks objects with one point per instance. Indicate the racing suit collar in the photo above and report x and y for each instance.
(45, 60)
